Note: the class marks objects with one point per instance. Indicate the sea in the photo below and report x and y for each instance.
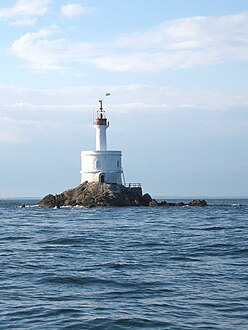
(124, 268)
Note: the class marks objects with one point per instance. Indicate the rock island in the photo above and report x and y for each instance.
(102, 178)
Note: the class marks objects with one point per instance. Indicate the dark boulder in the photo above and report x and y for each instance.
(48, 201)
(198, 202)
(179, 204)
(153, 203)
(164, 203)
(146, 199)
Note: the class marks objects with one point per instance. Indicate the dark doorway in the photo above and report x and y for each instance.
(101, 178)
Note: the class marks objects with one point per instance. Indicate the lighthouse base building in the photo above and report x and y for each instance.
(101, 165)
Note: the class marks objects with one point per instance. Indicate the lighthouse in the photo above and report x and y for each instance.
(101, 165)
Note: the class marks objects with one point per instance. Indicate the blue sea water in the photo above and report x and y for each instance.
(124, 268)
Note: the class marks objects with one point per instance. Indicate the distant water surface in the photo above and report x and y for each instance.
(124, 268)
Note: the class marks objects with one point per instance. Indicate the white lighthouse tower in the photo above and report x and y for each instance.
(101, 165)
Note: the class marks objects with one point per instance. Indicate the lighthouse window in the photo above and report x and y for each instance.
(118, 163)
(97, 163)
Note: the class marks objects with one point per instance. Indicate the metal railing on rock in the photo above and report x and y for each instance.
(133, 185)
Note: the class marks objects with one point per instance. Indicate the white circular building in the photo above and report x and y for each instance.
(101, 165)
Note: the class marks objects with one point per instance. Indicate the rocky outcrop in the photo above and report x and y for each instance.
(97, 194)
(198, 202)
(194, 202)
(102, 194)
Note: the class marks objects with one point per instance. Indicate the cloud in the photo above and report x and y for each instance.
(24, 12)
(141, 97)
(73, 9)
(42, 52)
(24, 22)
(177, 44)
(154, 62)
(38, 50)
(181, 43)
(30, 113)
(14, 129)
(190, 33)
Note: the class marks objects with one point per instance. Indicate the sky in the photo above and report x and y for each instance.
(177, 72)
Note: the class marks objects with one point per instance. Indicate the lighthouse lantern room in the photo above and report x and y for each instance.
(101, 165)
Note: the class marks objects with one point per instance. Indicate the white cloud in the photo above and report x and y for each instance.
(24, 12)
(74, 9)
(28, 113)
(24, 22)
(37, 49)
(15, 129)
(189, 33)
(181, 43)
(83, 98)
(44, 53)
